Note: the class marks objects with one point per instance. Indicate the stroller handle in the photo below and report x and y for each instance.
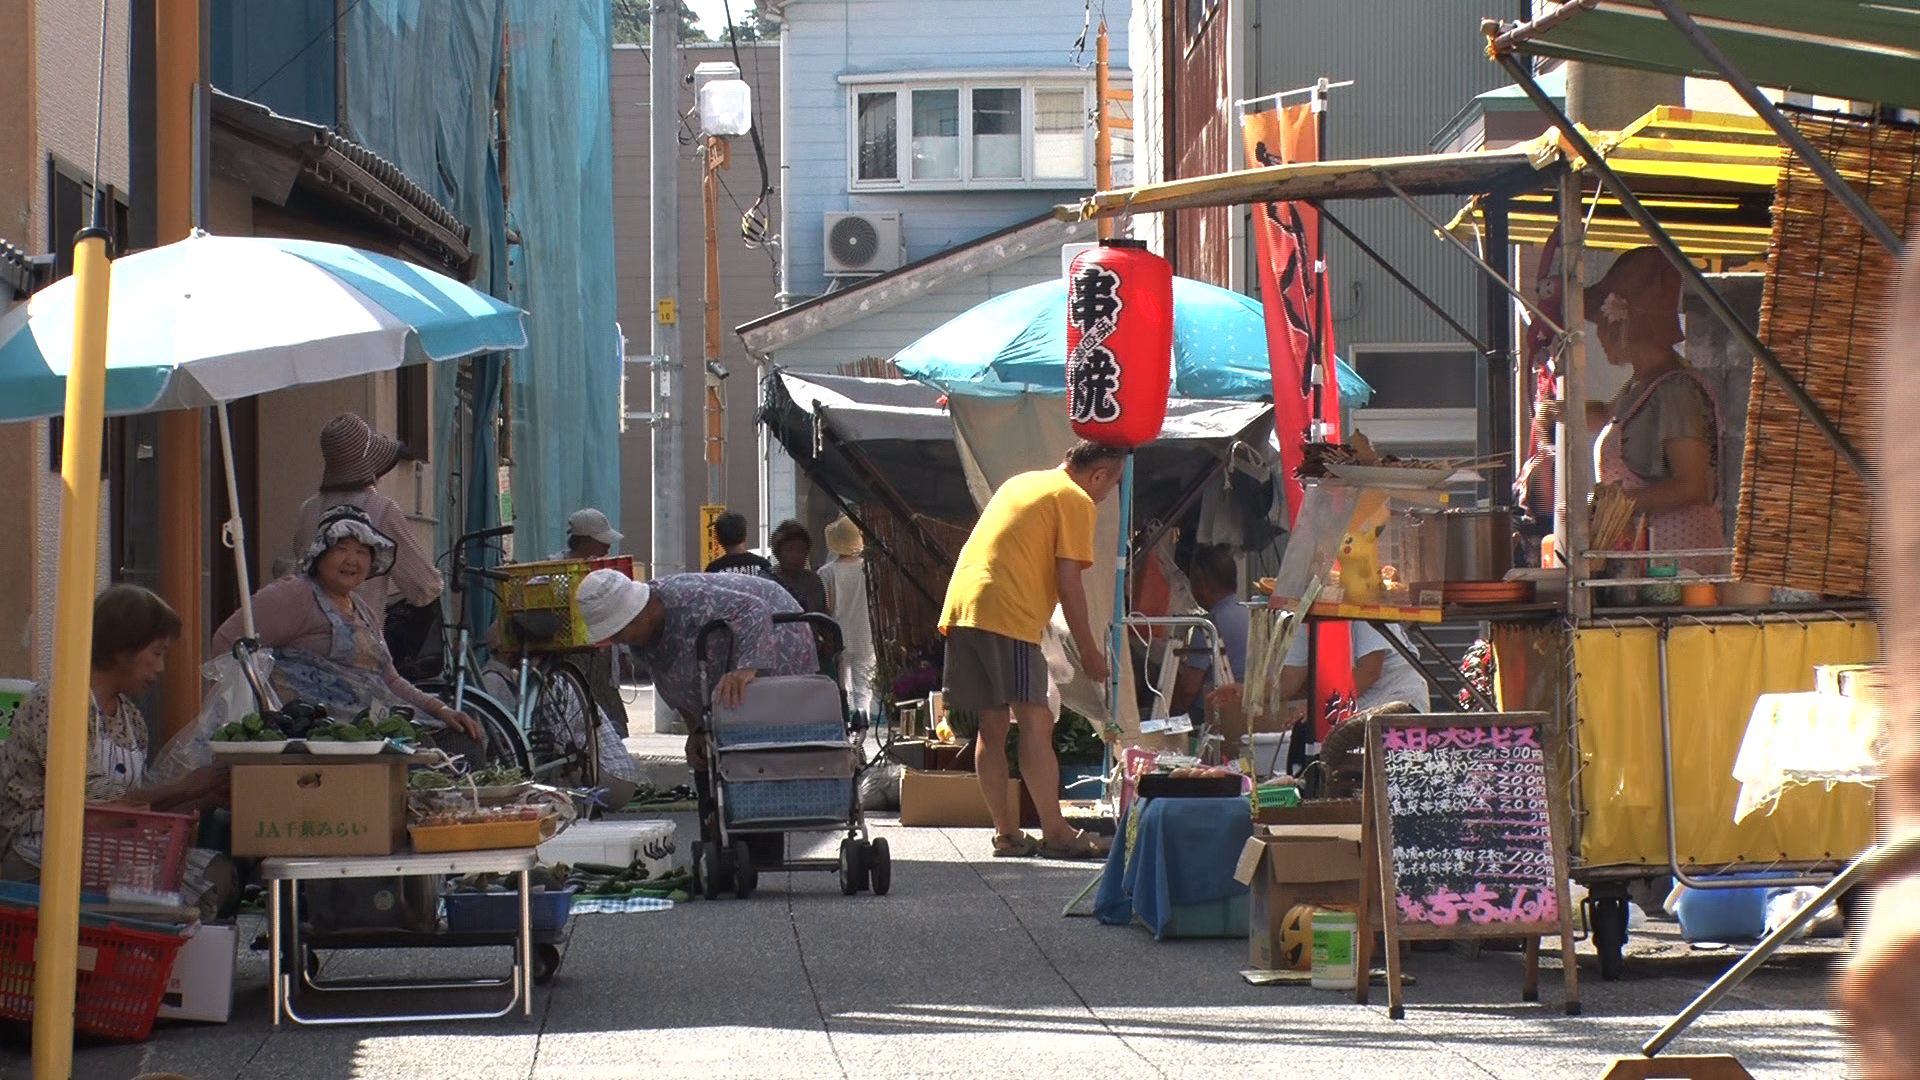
(815, 619)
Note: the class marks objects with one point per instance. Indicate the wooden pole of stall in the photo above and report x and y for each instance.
(179, 60)
(718, 156)
(1575, 473)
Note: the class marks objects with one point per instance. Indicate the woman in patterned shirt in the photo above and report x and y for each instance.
(132, 631)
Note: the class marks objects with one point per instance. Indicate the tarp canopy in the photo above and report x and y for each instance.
(850, 434)
(1863, 50)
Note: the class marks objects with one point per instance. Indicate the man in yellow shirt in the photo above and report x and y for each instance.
(1026, 555)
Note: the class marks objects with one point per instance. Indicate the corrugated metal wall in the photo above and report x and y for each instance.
(1201, 122)
(1412, 73)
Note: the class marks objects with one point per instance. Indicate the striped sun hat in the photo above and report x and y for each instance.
(355, 454)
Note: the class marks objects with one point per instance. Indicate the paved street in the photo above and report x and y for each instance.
(968, 969)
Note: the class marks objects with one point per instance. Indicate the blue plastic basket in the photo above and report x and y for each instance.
(775, 801)
(498, 912)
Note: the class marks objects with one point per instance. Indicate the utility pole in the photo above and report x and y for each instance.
(179, 72)
(718, 155)
(1102, 132)
(669, 447)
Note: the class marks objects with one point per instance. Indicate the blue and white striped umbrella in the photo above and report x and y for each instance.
(213, 319)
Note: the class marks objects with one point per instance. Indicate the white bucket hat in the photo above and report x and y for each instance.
(608, 600)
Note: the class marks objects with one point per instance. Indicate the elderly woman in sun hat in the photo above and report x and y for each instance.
(356, 457)
(327, 647)
(1659, 438)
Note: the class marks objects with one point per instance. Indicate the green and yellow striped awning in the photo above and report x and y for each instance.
(1708, 177)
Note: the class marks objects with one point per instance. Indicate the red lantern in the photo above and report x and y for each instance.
(1119, 343)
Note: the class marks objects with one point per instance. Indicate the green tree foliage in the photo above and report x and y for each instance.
(633, 23)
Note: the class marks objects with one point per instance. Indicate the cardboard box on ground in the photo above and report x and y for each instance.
(948, 799)
(201, 986)
(1304, 861)
(320, 806)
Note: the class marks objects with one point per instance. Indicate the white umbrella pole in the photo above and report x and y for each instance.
(236, 529)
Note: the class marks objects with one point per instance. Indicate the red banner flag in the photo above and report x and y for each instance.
(1306, 388)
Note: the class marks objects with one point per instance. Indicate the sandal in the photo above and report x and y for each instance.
(1017, 846)
(1083, 846)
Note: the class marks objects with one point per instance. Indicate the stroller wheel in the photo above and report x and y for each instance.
(879, 867)
(745, 877)
(853, 866)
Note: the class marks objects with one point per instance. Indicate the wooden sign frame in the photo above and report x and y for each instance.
(1376, 858)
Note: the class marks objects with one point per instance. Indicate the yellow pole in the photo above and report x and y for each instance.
(1102, 130)
(57, 948)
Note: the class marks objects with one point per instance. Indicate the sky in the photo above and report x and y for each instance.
(710, 11)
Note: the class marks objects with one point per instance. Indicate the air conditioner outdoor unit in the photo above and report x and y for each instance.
(864, 243)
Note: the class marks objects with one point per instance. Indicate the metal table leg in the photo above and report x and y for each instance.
(278, 993)
(525, 987)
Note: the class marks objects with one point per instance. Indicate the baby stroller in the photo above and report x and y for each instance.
(787, 760)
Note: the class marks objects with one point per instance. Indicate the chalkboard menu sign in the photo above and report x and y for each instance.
(1467, 819)
(1466, 834)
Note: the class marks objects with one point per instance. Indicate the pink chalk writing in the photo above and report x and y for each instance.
(1482, 905)
(1421, 740)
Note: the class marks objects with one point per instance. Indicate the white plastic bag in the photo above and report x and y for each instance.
(230, 699)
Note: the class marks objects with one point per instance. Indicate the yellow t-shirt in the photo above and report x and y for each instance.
(1004, 582)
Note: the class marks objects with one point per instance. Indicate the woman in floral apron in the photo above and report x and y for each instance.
(1659, 438)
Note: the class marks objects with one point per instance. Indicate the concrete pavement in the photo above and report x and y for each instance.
(968, 969)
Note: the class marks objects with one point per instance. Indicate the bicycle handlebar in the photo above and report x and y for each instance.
(461, 569)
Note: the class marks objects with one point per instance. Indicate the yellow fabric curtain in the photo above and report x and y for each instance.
(1715, 674)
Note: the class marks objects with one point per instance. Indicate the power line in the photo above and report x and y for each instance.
(302, 51)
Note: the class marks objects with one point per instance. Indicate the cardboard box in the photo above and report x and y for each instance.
(1310, 864)
(948, 799)
(313, 809)
(201, 986)
(1313, 812)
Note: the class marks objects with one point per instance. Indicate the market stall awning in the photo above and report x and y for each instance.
(1864, 50)
(1421, 174)
(1707, 176)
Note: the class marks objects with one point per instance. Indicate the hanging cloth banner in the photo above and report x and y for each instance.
(1306, 398)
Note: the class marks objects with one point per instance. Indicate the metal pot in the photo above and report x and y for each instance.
(1479, 541)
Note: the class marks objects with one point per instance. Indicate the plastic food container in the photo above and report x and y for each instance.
(1334, 955)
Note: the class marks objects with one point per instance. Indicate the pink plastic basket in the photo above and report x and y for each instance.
(134, 846)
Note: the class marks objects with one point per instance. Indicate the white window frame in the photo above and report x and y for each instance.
(902, 87)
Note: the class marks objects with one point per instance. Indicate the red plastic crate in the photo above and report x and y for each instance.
(123, 974)
(123, 838)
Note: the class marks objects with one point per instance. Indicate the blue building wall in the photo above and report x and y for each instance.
(825, 40)
(420, 83)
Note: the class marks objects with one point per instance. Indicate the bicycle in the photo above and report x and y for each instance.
(551, 733)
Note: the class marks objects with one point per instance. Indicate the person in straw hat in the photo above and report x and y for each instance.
(1659, 440)
(845, 578)
(356, 457)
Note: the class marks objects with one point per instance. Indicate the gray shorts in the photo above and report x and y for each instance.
(985, 670)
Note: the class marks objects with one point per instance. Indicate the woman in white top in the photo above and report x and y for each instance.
(846, 581)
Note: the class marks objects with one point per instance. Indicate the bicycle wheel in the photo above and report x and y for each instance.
(505, 746)
(560, 728)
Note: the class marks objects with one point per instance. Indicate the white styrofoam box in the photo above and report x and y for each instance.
(614, 843)
(201, 986)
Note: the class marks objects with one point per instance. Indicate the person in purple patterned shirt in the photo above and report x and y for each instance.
(661, 620)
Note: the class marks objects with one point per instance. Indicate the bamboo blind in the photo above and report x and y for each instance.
(1805, 519)
(904, 619)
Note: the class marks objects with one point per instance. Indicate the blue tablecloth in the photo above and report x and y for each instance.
(1183, 852)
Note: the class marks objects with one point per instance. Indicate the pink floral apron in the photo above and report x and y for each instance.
(1689, 528)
